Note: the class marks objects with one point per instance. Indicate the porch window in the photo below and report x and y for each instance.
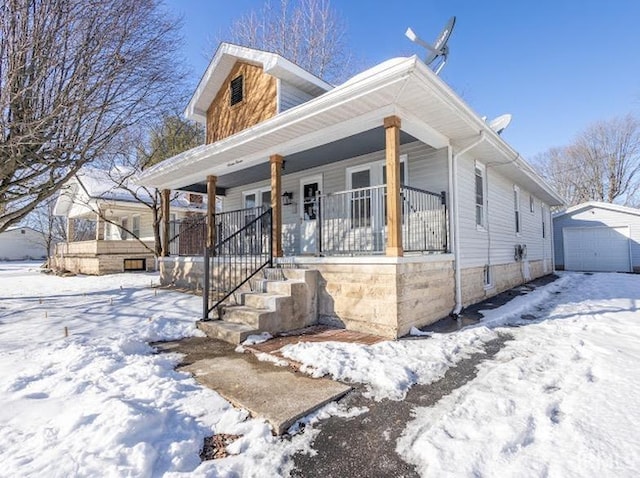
(480, 195)
(361, 200)
(125, 225)
(516, 208)
(135, 225)
(237, 90)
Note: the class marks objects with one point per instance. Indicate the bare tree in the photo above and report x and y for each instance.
(602, 163)
(73, 75)
(132, 153)
(310, 33)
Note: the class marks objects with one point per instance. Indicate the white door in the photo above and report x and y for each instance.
(309, 188)
(598, 249)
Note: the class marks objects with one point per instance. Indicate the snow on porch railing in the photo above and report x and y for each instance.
(354, 222)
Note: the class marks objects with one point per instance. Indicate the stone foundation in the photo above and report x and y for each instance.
(383, 296)
(101, 264)
(504, 276)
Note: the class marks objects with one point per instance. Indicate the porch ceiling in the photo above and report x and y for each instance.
(345, 148)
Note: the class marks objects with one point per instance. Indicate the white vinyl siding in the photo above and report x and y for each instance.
(596, 216)
(290, 96)
(426, 169)
(474, 242)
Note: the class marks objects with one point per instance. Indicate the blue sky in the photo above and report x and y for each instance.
(557, 66)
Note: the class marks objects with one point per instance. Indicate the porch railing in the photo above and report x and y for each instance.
(236, 259)
(188, 235)
(354, 222)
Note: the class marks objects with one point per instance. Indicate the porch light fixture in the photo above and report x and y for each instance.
(287, 198)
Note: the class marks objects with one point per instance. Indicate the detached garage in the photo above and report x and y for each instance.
(598, 237)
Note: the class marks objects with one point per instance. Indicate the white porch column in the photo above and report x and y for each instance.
(99, 228)
(164, 205)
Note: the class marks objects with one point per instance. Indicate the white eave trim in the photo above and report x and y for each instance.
(598, 205)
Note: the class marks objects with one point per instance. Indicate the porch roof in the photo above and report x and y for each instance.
(430, 112)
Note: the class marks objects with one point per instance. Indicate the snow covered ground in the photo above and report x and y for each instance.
(560, 399)
(99, 402)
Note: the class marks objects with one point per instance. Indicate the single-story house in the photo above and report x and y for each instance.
(121, 215)
(597, 236)
(22, 243)
(388, 196)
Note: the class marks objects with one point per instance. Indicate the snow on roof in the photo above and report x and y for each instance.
(118, 184)
(598, 204)
(375, 70)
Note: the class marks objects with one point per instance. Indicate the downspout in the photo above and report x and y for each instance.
(456, 218)
(553, 242)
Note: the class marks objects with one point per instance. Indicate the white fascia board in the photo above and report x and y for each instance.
(475, 121)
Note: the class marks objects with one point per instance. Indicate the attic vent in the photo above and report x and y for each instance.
(236, 90)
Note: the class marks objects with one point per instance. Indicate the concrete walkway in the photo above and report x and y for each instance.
(365, 446)
(277, 394)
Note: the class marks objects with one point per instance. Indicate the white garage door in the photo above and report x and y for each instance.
(601, 249)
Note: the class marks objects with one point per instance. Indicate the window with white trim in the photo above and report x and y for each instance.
(481, 195)
(135, 225)
(516, 209)
(544, 223)
(531, 202)
(125, 225)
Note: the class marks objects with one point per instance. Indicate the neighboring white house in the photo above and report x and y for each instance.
(597, 236)
(21, 243)
(403, 199)
(123, 223)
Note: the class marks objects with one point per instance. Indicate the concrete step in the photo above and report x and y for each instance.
(241, 314)
(288, 287)
(231, 332)
(297, 274)
(265, 300)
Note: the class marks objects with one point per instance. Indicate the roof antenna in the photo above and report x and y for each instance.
(439, 50)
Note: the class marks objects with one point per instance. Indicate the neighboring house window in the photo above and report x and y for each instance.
(531, 202)
(236, 90)
(480, 195)
(487, 276)
(516, 208)
(135, 226)
(125, 225)
(544, 225)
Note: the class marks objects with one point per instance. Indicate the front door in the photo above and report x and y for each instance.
(309, 189)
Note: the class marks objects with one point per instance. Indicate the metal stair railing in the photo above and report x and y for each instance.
(235, 260)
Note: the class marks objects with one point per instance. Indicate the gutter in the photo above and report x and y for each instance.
(453, 170)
